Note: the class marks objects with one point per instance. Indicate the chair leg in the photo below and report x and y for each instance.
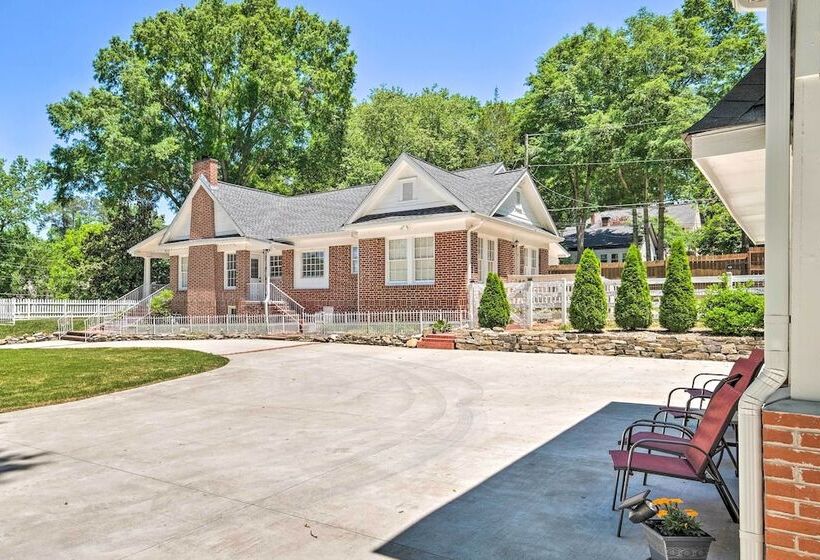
(725, 495)
(645, 475)
(624, 491)
(615, 493)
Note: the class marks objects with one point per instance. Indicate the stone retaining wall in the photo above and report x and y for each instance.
(689, 346)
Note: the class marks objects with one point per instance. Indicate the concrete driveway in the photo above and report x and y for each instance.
(336, 451)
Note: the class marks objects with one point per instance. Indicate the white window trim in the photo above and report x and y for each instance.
(281, 266)
(355, 263)
(180, 285)
(410, 248)
(402, 182)
(225, 270)
(482, 255)
(314, 282)
(260, 268)
(527, 268)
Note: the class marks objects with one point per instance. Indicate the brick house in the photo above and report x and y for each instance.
(401, 244)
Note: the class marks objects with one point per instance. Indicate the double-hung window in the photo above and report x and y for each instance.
(354, 259)
(411, 260)
(313, 264)
(487, 257)
(276, 266)
(255, 271)
(230, 270)
(183, 273)
(530, 261)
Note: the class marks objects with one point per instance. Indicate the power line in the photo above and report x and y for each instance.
(599, 127)
(635, 204)
(622, 162)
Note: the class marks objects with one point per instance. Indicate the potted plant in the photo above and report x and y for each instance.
(675, 532)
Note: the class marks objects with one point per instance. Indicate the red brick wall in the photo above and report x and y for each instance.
(208, 167)
(543, 260)
(179, 303)
(202, 215)
(791, 467)
(341, 291)
(505, 258)
(203, 260)
(448, 292)
(238, 295)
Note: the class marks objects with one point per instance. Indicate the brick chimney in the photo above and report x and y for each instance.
(208, 167)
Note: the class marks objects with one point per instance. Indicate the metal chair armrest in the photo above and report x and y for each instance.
(707, 374)
(644, 444)
(627, 434)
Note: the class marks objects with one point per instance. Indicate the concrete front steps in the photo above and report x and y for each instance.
(77, 336)
(440, 341)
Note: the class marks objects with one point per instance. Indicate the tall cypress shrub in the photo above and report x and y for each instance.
(494, 307)
(633, 305)
(679, 309)
(588, 306)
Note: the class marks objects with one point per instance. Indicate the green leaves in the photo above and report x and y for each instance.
(732, 311)
(588, 307)
(633, 304)
(262, 88)
(494, 307)
(678, 311)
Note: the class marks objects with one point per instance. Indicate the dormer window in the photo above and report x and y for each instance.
(406, 191)
(605, 221)
(517, 195)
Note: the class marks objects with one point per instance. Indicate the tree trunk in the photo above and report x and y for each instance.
(661, 221)
(635, 227)
(647, 238)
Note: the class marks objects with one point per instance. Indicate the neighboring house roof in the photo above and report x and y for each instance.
(686, 214)
(599, 238)
(743, 105)
(266, 215)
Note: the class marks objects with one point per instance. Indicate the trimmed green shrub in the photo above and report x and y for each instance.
(588, 306)
(678, 311)
(633, 305)
(494, 308)
(442, 326)
(161, 303)
(731, 311)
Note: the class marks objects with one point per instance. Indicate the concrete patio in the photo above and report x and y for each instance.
(335, 451)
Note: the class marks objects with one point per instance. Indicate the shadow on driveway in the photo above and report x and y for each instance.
(554, 503)
(11, 462)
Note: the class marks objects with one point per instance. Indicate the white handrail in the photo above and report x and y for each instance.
(293, 306)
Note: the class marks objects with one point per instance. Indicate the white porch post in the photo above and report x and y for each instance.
(146, 276)
(805, 311)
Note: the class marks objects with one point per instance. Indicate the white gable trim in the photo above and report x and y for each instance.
(375, 192)
(201, 183)
(539, 207)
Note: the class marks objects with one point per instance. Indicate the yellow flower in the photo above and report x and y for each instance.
(661, 501)
(663, 513)
(690, 512)
(675, 501)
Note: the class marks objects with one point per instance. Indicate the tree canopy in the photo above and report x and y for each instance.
(262, 88)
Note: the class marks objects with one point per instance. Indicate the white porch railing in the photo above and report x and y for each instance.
(43, 308)
(284, 303)
(539, 301)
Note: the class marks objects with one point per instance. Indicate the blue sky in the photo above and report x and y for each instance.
(471, 47)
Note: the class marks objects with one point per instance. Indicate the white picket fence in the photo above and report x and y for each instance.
(382, 322)
(20, 309)
(536, 301)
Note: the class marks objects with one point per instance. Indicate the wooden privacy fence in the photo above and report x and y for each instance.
(752, 262)
(43, 308)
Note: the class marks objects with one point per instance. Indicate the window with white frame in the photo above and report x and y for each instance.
(276, 266)
(354, 259)
(230, 270)
(406, 191)
(411, 260)
(487, 257)
(255, 271)
(530, 261)
(313, 264)
(183, 273)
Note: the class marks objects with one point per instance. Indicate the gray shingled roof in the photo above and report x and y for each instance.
(599, 238)
(744, 104)
(480, 189)
(686, 214)
(266, 215)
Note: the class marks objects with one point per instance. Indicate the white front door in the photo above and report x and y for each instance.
(256, 287)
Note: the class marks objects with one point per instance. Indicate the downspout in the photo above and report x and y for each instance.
(777, 212)
(266, 256)
(469, 277)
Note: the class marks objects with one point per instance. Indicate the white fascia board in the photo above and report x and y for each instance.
(728, 141)
(534, 194)
(505, 229)
(233, 243)
(426, 224)
(149, 247)
(321, 240)
(562, 253)
(388, 175)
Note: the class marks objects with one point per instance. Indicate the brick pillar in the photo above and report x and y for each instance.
(202, 264)
(208, 167)
(505, 257)
(791, 467)
(543, 260)
(202, 216)
(179, 303)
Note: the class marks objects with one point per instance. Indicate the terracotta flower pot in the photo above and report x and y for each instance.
(665, 548)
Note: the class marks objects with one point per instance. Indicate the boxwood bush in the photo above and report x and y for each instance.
(732, 311)
(494, 308)
(678, 311)
(633, 304)
(161, 303)
(588, 306)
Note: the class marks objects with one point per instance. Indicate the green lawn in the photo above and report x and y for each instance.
(34, 377)
(30, 326)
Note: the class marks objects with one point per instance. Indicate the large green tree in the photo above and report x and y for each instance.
(262, 88)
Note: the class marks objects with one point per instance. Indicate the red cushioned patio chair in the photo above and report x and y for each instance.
(692, 459)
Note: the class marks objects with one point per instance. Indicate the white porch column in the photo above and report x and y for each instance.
(804, 353)
(146, 276)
